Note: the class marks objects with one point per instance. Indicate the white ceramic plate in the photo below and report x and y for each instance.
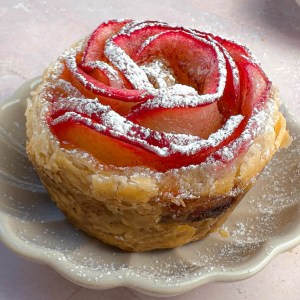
(266, 223)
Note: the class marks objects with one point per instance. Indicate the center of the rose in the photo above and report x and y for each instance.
(159, 74)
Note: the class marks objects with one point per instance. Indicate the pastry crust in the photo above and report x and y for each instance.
(138, 209)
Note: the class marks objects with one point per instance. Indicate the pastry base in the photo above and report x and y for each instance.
(140, 227)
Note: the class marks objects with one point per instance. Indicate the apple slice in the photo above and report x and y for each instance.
(102, 89)
(138, 34)
(255, 87)
(199, 121)
(254, 84)
(94, 50)
(229, 102)
(104, 73)
(235, 50)
(95, 47)
(107, 150)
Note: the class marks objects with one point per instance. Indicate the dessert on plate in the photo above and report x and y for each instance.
(148, 135)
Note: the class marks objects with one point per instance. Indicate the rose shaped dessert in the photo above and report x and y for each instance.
(148, 135)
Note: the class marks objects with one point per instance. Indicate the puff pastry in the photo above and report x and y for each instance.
(148, 135)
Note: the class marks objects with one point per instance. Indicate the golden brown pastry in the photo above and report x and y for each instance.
(148, 135)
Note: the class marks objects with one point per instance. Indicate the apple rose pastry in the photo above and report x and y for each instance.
(148, 135)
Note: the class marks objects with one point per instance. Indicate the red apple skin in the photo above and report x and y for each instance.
(107, 150)
(254, 84)
(96, 43)
(199, 121)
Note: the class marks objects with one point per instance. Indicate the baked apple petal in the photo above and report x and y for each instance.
(199, 121)
(136, 33)
(106, 149)
(235, 50)
(255, 87)
(104, 73)
(254, 84)
(95, 46)
(229, 102)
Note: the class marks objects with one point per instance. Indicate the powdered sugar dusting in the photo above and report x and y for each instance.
(128, 67)
(259, 123)
(66, 87)
(70, 58)
(177, 95)
(134, 26)
(109, 71)
(159, 74)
